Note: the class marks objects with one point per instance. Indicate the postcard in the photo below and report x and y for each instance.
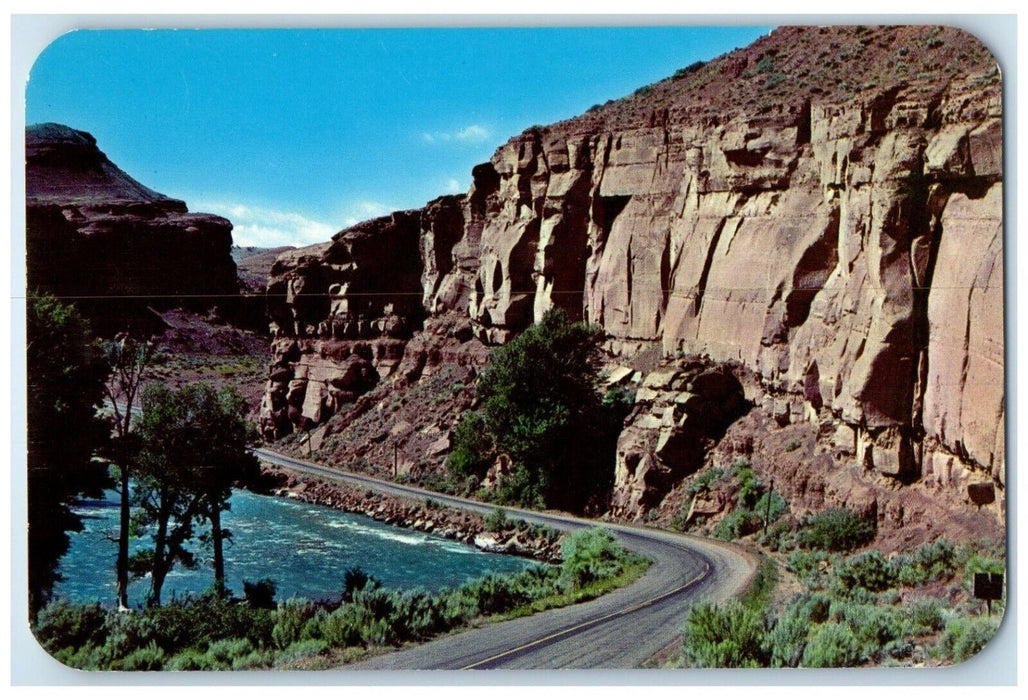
(452, 348)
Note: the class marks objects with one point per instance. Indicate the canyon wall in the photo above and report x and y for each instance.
(822, 209)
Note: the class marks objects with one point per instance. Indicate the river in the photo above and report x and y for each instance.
(305, 549)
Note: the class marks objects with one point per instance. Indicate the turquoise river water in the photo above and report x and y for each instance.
(305, 549)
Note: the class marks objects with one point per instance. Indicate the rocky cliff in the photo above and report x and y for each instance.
(818, 215)
(95, 235)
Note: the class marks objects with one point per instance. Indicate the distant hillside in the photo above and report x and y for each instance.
(253, 266)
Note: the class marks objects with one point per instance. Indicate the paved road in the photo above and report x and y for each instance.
(619, 630)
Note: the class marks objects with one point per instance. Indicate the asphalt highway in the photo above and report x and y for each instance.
(621, 629)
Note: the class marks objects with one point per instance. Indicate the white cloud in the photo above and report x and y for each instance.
(473, 133)
(453, 186)
(268, 228)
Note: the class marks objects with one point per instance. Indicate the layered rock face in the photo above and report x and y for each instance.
(822, 209)
(343, 312)
(96, 235)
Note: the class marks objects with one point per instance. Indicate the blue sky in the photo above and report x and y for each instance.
(296, 134)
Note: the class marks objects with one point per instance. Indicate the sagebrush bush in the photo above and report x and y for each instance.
(590, 555)
(816, 607)
(869, 570)
(981, 563)
(200, 620)
(418, 615)
(494, 594)
(225, 651)
(303, 649)
(779, 536)
(125, 633)
(704, 480)
(926, 616)
(190, 660)
(874, 626)
(739, 523)
(343, 627)
(256, 659)
(750, 487)
(148, 658)
(497, 521)
(290, 619)
(930, 562)
(832, 645)
(732, 636)
(737, 466)
(964, 637)
(836, 530)
(808, 567)
(62, 624)
(779, 507)
(788, 638)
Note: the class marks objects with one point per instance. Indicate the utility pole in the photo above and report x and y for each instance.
(394, 461)
(767, 511)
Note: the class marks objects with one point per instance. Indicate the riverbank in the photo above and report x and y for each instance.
(210, 633)
(496, 534)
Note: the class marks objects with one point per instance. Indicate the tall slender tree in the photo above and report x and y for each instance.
(129, 358)
(194, 447)
(165, 492)
(224, 460)
(65, 375)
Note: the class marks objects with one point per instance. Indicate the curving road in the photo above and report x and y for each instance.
(619, 630)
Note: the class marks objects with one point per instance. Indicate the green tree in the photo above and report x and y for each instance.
(65, 390)
(224, 460)
(193, 448)
(542, 406)
(128, 359)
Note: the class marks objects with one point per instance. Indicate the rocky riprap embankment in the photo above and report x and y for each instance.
(445, 522)
(821, 210)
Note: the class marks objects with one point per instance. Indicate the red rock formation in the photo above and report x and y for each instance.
(96, 235)
(342, 312)
(823, 208)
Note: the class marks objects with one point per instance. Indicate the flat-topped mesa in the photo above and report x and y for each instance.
(95, 235)
(822, 208)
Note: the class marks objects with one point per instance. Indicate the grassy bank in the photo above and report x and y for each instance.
(256, 632)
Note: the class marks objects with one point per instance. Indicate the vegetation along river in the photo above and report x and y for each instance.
(305, 549)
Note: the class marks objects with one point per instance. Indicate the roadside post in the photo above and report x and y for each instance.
(988, 587)
(767, 511)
